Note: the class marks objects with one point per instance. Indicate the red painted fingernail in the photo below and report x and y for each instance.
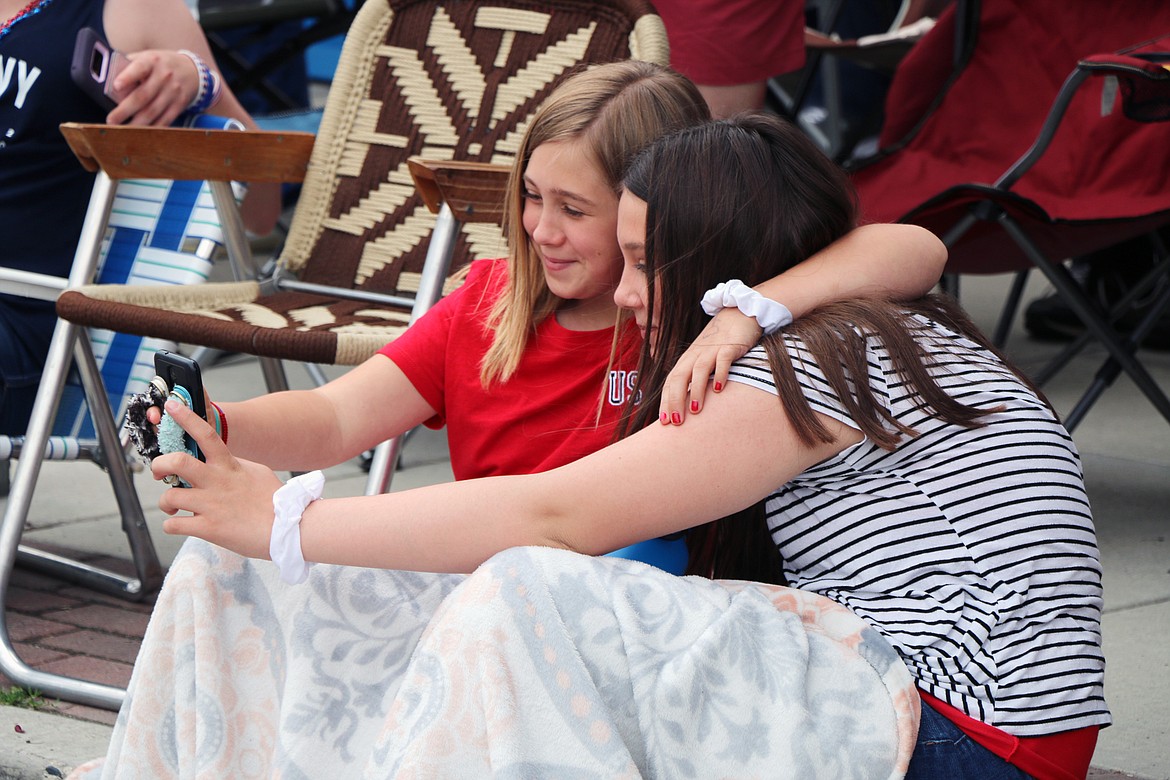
(694, 406)
(718, 386)
(662, 418)
(676, 418)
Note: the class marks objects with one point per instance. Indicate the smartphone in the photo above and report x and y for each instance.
(176, 369)
(95, 66)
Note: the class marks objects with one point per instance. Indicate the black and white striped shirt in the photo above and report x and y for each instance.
(972, 551)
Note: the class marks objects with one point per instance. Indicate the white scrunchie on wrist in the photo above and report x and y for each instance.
(288, 504)
(733, 293)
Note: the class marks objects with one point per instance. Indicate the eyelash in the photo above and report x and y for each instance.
(569, 210)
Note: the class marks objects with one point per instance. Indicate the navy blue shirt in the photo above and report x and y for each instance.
(44, 190)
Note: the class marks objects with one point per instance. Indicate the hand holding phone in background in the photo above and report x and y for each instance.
(158, 85)
(155, 86)
(95, 67)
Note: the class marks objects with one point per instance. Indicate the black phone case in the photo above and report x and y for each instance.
(88, 43)
(176, 369)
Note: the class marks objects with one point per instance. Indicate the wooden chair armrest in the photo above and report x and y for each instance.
(475, 191)
(126, 152)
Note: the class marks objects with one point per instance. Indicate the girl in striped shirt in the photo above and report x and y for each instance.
(923, 483)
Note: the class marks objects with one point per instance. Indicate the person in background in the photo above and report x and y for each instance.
(44, 191)
(730, 48)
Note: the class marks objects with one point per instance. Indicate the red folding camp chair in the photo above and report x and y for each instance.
(1047, 141)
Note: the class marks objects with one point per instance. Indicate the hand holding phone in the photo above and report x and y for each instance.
(181, 371)
(95, 66)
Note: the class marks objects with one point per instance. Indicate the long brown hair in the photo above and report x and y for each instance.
(748, 198)
(615, 110)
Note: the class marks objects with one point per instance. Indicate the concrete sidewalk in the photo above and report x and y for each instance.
(1124, 443)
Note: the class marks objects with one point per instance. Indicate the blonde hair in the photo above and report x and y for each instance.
(614, 110)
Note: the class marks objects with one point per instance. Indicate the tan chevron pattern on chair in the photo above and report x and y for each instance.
(441, 80)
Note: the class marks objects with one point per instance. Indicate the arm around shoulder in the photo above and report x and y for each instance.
(895, 261)
(902, 262)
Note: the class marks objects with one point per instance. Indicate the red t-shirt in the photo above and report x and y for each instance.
(544, 416)
(727, 42)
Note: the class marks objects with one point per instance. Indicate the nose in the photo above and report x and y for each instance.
(631, 290)
(545, 231)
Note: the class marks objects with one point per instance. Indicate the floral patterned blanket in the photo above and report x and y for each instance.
(542, 663)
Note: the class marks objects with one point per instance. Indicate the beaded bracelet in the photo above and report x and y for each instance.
(210, 86)
(771, 316)
(221, 426)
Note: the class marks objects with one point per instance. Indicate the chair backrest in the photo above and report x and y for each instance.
(1100, 165)
(159, 232)
(440, 80)
(935, 59)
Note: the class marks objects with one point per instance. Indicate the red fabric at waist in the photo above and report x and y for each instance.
(1061, 756)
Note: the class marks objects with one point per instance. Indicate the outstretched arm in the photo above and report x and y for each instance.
(901, 262)
(300, 430)
(660, 480)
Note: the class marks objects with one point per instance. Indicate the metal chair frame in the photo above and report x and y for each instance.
(70, 345)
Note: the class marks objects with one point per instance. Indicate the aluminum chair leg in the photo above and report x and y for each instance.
(275, 379)
(436, 268)
(147, 566)
(148, 569)
(235, 237)
(383, 465)
(316, 374)
(27, 470)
